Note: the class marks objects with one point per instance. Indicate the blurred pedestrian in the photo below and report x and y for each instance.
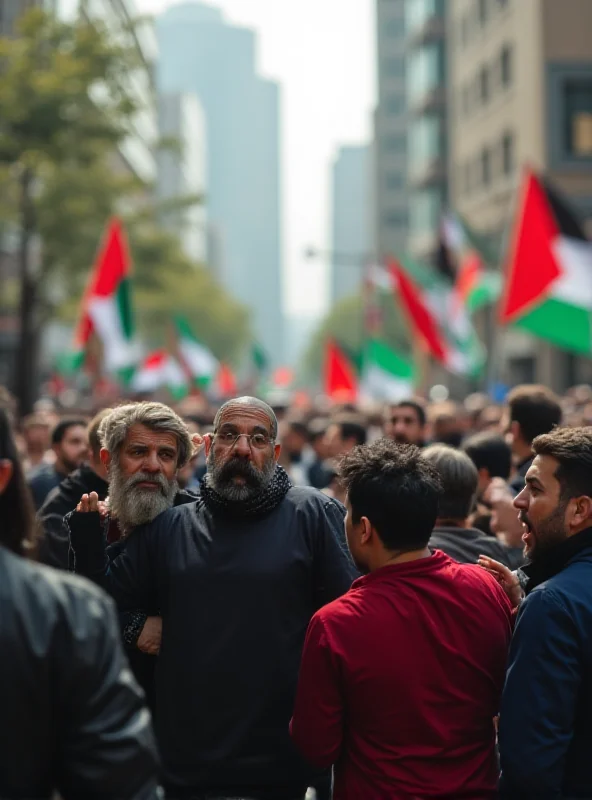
(69, 442)
(452, 532)
(73, 719)
(405, 422)
(401, 677)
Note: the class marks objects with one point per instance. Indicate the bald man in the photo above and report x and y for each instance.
(237, 576)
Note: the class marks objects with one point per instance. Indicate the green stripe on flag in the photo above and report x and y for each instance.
(561, 324)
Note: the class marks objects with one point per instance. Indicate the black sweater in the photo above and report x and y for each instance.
(236, 598)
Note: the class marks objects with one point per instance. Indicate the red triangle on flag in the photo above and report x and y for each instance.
(469, 273)
(227, 384)
(421, 320)
(532, 267)
(113, 261)
(340, 380)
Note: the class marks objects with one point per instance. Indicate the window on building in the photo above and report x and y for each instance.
(484, 85)
(394, 67)
(482, 11)
(395, 218)
(395, 27)
(465, 30)
(394, 181)
(577, 117)
(485, 167)
(503, 3)
(466, 100)
(506, 65)
(395, 104)
(395, 143)
(508, 158)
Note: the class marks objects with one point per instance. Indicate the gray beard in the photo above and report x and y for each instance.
(221, 480)
(131, 505)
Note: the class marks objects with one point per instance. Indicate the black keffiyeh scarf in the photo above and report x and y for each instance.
(258, 506)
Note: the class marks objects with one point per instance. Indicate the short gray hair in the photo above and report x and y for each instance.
(459, 478)
(156, 416)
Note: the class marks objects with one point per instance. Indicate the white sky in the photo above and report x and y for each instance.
(322, 52)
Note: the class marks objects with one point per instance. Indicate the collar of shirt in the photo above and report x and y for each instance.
(418, 566)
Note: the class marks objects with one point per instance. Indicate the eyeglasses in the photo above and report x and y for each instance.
(257, 441)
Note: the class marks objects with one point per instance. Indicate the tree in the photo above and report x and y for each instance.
(64, 113)
(345, 323)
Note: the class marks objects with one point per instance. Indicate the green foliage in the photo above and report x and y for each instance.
(64, 113)
(345, 324)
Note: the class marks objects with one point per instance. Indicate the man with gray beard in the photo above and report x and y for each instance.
(237, 576)
(142, 447)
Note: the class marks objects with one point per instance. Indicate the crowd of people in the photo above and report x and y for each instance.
(257, 602)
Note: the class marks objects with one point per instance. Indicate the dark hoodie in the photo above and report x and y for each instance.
(53, 548)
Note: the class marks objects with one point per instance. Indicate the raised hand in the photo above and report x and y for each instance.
(507, 579)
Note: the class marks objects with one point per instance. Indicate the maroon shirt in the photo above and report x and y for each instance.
(400, 682)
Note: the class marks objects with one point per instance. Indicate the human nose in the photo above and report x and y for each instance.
(243, 444)
(151, 463)
(521, 500)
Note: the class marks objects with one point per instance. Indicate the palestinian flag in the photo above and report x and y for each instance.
(436, 318)
(386, 375)
(339, 377)
(548, 289)
(200, 363)
(107, 308)
(226, 381)
(160, 370)
(463, 258)
(259, 358)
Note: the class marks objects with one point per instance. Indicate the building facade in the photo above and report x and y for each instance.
(389, 207)
(351, 241)
(427, 179)
(520, 92)
(201, 53)
(182, 170)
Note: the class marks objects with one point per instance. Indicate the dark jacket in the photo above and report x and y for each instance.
(42, 481)
(53, 548)
(143, 665)
(465, 545)
(545, 733)
(73, 719)
(236, 597)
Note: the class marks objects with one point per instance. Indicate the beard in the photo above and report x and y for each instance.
(133, 505)
(548, 533)
(222, 476)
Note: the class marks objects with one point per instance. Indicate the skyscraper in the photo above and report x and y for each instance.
(390, 131)
(350, 222)
(181, 174)
(200, 52)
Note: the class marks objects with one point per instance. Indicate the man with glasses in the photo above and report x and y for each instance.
(237, 576)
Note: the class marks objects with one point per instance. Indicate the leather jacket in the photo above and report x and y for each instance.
(73, 719)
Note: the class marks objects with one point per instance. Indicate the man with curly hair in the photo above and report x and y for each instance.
(401, 677)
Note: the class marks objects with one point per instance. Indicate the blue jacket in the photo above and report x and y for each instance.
(545, 733)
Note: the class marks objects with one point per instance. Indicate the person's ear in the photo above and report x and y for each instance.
(208, 440)
(6, 472)
(105, 457)
(276, 452)
(582, 512)
(366, 533)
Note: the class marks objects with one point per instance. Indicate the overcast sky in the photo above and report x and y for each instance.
(322, 52)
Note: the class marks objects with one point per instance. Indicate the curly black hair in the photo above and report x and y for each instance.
(396, 489)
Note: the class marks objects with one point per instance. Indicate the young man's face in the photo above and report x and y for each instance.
(402, 424)
(73, 450)
(541, 509)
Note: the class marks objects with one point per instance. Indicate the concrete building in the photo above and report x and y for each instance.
(351, 240)
(182, 172)
(389, 207)
(520, 91)
(426, 123)
(202, 53)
